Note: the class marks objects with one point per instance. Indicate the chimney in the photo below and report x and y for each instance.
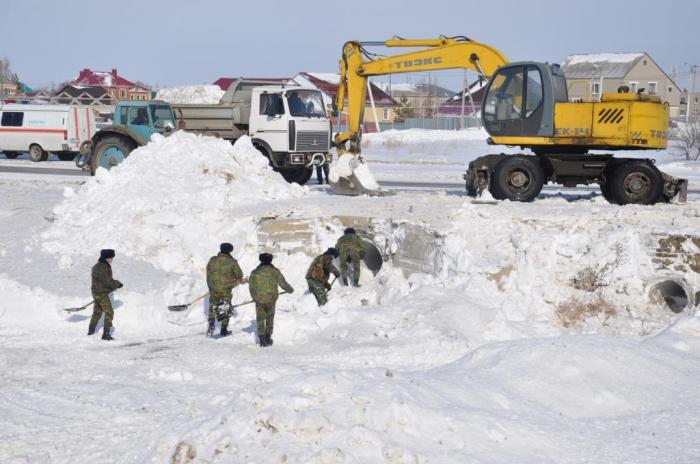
(114, 72)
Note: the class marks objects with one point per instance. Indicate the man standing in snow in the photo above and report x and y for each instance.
(352, 250)
(223, 275)
(318, 274)
(102, 285)
(264, 281)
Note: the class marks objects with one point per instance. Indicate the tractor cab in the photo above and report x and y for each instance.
(145, 118)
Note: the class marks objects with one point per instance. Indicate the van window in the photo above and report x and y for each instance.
(12, 118)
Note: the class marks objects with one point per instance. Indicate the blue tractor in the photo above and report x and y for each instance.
(133, 124)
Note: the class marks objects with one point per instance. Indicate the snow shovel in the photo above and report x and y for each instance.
(230, 312)
(183, 307)
(72, 310)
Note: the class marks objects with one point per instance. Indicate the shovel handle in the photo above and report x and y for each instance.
(197, 299)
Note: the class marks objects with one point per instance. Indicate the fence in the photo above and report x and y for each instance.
(439, 122)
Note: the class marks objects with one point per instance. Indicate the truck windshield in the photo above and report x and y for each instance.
(307, 103)
(161, 115)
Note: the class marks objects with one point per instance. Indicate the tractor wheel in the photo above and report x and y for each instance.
(36, 153)
(517, 178)
(109, 152)
(637, 182)
(65, 156)
(11, 155)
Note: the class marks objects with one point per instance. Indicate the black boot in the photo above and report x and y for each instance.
(210, 329)
(263, 340)
(224, 331)
(344, 282)
(91, 330)
(269, 340)
(106, 335)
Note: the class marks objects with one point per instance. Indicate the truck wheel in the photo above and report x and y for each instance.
(36, 153)
(109, 152)
(11, 155)
(470, 183)
(517, 178)
(298, 175)
(636, 182)
(66, 156)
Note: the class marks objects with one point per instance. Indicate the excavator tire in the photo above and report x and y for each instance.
(297, 175)
(636, 182)
(517, 178)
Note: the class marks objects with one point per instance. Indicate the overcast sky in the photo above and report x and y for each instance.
(197, 41)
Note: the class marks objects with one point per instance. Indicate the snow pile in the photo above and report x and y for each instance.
(170, 203)
(25, 307)
(204, 94)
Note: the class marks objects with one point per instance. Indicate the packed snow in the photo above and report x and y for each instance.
(527, 334)
(204, 94)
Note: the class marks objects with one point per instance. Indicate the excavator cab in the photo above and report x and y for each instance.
(520, 98)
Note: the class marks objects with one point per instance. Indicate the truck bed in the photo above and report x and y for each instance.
(228, 121)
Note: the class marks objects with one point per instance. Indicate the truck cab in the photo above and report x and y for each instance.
(290, 125)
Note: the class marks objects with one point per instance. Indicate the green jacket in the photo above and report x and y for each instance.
(263, 284)
(321, 268)
(350, 244)
(102, 281)
(223, 274)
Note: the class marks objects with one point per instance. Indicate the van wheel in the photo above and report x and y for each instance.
(36, 153)
(517, 178)
(109, 152)
(637, 182)
(11, 155)
(66, 156)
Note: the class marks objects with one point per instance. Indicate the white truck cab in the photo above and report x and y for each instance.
(288, 124)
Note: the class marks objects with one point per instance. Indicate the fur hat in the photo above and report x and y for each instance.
(349, 231)
(107, 253)
(265, 258)
(226, 248)
(332, 252)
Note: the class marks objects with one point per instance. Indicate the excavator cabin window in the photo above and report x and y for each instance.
(515, 95)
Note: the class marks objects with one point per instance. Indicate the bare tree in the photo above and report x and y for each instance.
(689, 140)
(5, 69)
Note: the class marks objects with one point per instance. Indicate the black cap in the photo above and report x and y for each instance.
(107, 253)
(265, 258)
(332, 252)
(349, 230)
(226, 248)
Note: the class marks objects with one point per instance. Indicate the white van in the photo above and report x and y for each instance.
(44, 129)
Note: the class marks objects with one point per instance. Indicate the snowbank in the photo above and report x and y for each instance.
(191, 94)
(170, 203)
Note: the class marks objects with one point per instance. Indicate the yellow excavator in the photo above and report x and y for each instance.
(526, 104)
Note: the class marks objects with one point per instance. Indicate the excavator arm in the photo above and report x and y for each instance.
(357, 64)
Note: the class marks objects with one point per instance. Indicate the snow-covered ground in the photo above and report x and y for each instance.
(532, 338)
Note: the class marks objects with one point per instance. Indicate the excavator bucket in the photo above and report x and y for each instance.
(351, 176)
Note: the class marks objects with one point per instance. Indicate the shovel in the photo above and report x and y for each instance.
(226, 315)
(185, 306)
(72, 310)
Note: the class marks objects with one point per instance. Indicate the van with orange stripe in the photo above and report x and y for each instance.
(44, 129)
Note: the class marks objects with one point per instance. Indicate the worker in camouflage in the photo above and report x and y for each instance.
(352, 250)
(102, 285)
(319, 271)
(264, 281)
(223, 275)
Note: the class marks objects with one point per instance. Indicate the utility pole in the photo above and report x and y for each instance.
(691, 91)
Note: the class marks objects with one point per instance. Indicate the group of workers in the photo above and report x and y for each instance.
(224, 274)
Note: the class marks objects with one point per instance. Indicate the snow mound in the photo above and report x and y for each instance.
(191, 94)
(347, 166)
(170, 203)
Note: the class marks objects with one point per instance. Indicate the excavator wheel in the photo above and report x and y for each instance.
(298, 175)
(517, 178)
(636, 182)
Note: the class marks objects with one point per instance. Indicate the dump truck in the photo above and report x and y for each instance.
(288, 124)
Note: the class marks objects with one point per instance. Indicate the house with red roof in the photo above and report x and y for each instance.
(117, 86)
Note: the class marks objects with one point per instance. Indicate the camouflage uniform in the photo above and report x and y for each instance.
(352, 250)
(223, 275)
(263, 284)
(102, 285)
(317, 277)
